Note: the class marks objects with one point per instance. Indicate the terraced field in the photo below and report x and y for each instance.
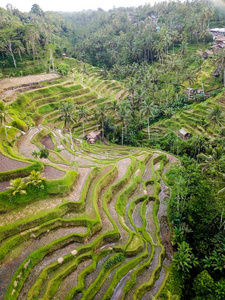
(193, 120)
(96, 227)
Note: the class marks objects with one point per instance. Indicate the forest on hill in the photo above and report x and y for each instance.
(166, 73)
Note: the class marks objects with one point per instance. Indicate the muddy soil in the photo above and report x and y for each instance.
(4, 186)
(8, 164)
(52, 173)
(30, 79)
(47, 142)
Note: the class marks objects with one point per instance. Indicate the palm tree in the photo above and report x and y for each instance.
(123, 116)
(101, 115)
(66, 113)
(35, 178)
(139, 96)
(19, 48)
(147, 108)
(114, 106)
(131, 86)
(158, 47)
(82, 115)
(215, 116)
(212, 159)
(220, 59)
(31, 37)
(17, 186)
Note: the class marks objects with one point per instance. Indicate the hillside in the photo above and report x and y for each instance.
(112, 153)
(97, 214)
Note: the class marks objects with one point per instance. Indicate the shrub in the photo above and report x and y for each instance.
(44, 153)
(63, 69)
(203, 284)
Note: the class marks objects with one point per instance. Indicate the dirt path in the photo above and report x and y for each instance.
(76, 193)
(25, 147)
(24, 143)
(17, 81)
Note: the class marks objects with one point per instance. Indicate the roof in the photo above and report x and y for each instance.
(183, 131)
(220, 38)
(93, 134)
(209, 52)
(222, 30)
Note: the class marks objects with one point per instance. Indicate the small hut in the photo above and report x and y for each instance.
(217, 72)
(220, 39)
(207, 53)
(93, 136)
(184, 134)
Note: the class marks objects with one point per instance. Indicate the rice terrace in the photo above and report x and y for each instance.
(94, 227)
(112, 153)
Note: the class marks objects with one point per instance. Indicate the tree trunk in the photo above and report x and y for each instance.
(6, 133)
(102, 129)
(151, 56)
(122, 134)
(71, 139)
(148, 129)
(224, 76)
(83, 128)
(11, 52)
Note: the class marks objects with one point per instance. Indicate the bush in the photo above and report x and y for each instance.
(63, 69)
(203, 284)
(44, 153)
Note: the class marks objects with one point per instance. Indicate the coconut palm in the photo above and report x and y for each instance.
(17, 186)
(19, 48)
(114, 106)
(101, 113)
(123, 115)
(82, 115)
(212, 159)
(35, 178)
(66, 113)
(139, 96)
(215, 117)
(220, 60)
(147, 109)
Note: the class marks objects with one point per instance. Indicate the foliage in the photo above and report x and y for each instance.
(114, 261)
(203, 284)
(184, 259)
(63, 69)
(43, 153)
(18, 186)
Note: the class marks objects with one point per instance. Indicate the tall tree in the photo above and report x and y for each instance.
(147, 109)
(123, 115)
(215, 117)
(101, 113)
(82, 114)
(220, 59)
(66, 113)
(7, 41)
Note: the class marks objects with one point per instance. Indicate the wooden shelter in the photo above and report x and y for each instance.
(184, 134)
(220, 39)
(207, 53)
(93, 136)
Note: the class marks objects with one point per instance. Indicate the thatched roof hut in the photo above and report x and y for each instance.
(207, 53)
(93, 136)
(184, 134)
